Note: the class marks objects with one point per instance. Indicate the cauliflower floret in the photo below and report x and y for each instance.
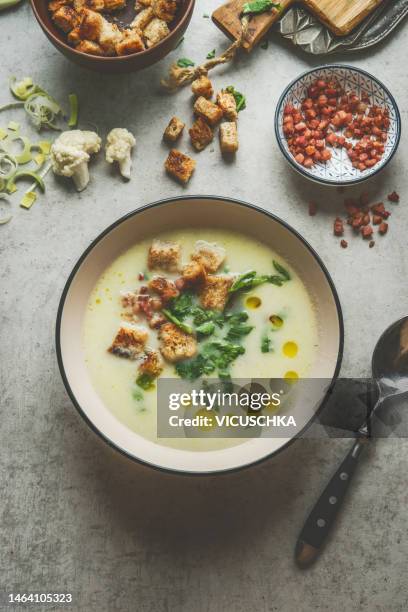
(118, 149)
(70, 154)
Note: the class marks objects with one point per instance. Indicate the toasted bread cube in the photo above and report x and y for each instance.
(90, 47)
(130, 341)
(130, 43)
(175, 343)
(90, 25)
(202, 87)
(65, 18)
(164, 287)
(152, 364)
(74, 38)
(174, 130)
(201, 134)
(155, 31)
(193, 273)
(164, 256)
(208, 110)
(142, 19)
(165, 9)
(54, 5)
(140, 4)
(94, 5)
(227, 104)
(214, 295)
(180, 166)
(209, 255)
(114, 5)
(229, 137)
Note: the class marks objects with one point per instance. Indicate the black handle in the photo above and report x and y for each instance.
(323, 515)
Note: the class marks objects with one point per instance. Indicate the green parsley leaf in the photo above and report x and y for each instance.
(259, 6)
(184, 62)
(211, 54)
(264, 44)
(181, 306)
(206, 329)
(266, 344)
(240, 99)
(145, 381)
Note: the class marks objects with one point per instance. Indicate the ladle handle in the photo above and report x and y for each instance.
(323, 515)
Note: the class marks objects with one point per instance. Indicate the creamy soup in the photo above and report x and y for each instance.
(282, 343)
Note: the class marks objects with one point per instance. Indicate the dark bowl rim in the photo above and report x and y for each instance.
(115, 58)
(164, 202)
(303, 171)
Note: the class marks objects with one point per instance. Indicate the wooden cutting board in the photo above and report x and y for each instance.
(341, 16)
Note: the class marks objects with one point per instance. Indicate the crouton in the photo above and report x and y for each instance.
(152, 364)
(139, 4)
(142, 19)
(175, 343)
(193, 273)
(202, 87)
(130, 43)
(209, 255)
(180, 166)
(74, 38)
(174, 130)
(164, 9)
(164, 287)
(114, 5)
(155, 31)
(227, 104)
(214, 294)
(90, 47)
(201, 134)
(229, 137)
(164, 256)
(208, 110)
(157, 320)
(94, 5)
(129, 342)
(54, 5)
(65, 18)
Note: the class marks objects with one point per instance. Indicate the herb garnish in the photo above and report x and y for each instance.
(145, 381)
(184, 62)
(216, 355)
(259, 6)
(249, 280)
(283, 271)
(240, 99)
(211, 54)
(183, 326)
(266, 344)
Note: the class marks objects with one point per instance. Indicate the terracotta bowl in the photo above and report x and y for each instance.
(175, 214)
(126, 63)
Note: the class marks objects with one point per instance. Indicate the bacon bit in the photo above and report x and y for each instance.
(378, 209)
(338, 227)
(377, 219)
(312, 209)
(393, 197)
(383, 229)
(371, 243)
(367, 231)
(343, 244)
(141, 276)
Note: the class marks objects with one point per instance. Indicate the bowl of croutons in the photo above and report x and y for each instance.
(114, 35)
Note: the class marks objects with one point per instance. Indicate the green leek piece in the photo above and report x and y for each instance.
(45, 146)
(13, 126)
(3, 134)
(42, 110)
(73, 105)
(11, 183)
(22, 89)
(6, 218)
(39, 159)
(5, 4)
(8, 165)
(28, 199)
(25, 156)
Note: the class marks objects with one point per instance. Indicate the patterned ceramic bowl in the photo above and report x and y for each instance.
(339, 169)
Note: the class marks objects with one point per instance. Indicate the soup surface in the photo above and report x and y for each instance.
(282, 341)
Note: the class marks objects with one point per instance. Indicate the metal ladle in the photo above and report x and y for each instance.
(390, 374)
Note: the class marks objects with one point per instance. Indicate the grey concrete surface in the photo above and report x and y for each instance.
(77, 517)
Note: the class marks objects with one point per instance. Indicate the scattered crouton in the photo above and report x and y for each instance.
(208, 110)
(201, 134)
(164, 287)
(180, 166)
(142, 19)
(155, 31)
(129, 342)
(164, 255)
(214, 294)
(164, 9)
(152, 364)
(229, 137)
(174, 130)
(175, 343)
(209, 255)
(227, 104)
(194, 273)
(202, 87)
